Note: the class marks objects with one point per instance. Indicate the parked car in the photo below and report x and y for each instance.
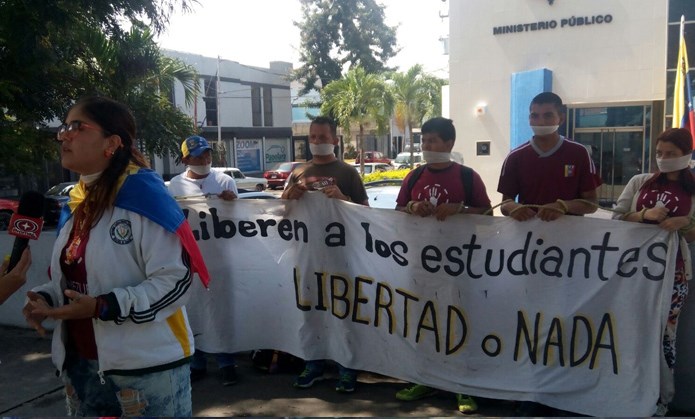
(54, 200)
(373, 157)
(383, 193)
(243, 181)
(373, 167)
(246, 194)
(402, 160)
(7, 208)
(276, 177)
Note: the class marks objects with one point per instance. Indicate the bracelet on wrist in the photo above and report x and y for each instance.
(641, 214)
(409, 207)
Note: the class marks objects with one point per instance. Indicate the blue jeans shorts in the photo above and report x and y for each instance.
(161, 393)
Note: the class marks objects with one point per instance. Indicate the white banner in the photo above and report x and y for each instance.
(567, 313)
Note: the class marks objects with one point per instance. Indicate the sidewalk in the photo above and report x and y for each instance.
(29, 388)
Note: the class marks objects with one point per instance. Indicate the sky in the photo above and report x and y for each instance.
(255, 32)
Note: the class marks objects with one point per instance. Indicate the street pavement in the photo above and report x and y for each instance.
(29, 388)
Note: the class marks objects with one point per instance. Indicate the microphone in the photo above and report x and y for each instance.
(25, 224)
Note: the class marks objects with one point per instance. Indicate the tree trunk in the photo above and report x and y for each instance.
(361, 149)
(409, 135)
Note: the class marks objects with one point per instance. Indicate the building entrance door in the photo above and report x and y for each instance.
(618, 139)
(618, 156)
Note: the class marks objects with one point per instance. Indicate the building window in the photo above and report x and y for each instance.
(267, 106)
(256, 107)
(210, 100)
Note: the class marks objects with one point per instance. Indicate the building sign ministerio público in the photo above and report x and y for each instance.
(570, 22)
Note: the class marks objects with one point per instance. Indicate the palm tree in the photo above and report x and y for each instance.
(134, 62)
(133, 70)
(417, 96)
(358, 97)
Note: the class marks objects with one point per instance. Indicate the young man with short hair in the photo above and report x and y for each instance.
(549, 170)
(441, 188)
(552, 172)
(337, 180)
(199, 179)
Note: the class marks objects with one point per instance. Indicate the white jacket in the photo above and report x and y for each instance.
(144, 266)
(627, 202)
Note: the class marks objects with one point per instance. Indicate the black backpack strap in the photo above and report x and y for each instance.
(417, 172)
(467, 179)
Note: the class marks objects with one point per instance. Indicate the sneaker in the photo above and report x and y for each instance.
(415, 392)
(346, 383)
(466, 404)
(308, 377)
(197, 374)
(530, 409)
(229, 375)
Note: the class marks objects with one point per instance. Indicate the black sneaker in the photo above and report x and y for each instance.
(531, 409)
(197, 374)
(229, 375)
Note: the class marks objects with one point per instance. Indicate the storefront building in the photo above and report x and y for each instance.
(612, 62)
(244, 112)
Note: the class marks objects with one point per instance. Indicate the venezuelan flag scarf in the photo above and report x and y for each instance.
(143, 192)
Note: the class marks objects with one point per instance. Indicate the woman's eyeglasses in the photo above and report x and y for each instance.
(73, 128)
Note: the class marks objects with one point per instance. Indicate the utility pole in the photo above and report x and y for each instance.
(217, 96)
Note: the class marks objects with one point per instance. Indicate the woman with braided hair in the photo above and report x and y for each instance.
(121, 269)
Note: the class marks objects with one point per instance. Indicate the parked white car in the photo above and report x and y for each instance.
(373, 167)
(242, 181)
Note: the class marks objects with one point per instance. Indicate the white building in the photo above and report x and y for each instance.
(252, 129)
(611, 61)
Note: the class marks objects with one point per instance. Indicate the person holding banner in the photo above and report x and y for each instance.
(122, 264)
(337, 180)
(199, 179)
(14, 279)
(441, 188)
(667, 198)
(549, 175)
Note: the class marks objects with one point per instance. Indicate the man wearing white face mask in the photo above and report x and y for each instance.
(337, 180)
(549, 170)
(198, 179)
(667, 198)
(325, 173)
(440, 188)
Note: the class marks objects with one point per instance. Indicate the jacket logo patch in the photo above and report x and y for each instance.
(121, 232)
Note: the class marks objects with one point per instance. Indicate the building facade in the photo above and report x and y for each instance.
(245, 113)
(612, 61)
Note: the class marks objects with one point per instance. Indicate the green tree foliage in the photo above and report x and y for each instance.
(340, 33)
(54, 51)
(417, 96)
(134, 71)
(358, 98)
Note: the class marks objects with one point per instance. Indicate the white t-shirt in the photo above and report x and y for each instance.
(213, 183)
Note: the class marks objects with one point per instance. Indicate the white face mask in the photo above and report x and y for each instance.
(321, 149)
(436, 156)
(544, 129)
(200, 170)
(673, 165)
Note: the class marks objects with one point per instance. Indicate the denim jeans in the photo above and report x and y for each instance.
(320, 365)
(200, 362)
(162, 393)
